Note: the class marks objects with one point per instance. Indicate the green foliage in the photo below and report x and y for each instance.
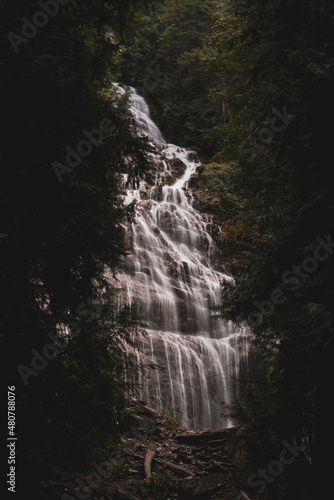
(172, 40)
(162, 485)
(120, 468)
(171, 420)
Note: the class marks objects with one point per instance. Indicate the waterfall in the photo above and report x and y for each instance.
(173, 278)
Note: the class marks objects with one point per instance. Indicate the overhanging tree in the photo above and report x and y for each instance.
(63, 150)
(277, 58)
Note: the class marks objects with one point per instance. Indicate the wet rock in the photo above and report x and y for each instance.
(177, 167)
(193, 156)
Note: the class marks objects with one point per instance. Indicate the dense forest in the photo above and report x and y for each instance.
(248, 84)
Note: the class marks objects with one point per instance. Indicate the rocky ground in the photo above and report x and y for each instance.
(204, 464)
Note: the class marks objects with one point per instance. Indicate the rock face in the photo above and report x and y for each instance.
(172, 277)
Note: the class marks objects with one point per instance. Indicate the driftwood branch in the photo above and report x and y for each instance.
(221, 467)
(147, 463)
(175, 468)
(246, 497)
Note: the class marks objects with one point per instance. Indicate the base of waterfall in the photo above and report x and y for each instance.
(204, 463)
(195, 374)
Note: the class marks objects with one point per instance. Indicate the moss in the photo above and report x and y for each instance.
(171, 420)
(214, 168)
(210, 176)
(162, 485)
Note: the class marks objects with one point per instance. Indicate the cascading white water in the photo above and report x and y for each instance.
(171, 279)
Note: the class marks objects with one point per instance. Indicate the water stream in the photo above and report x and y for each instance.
(173, 278)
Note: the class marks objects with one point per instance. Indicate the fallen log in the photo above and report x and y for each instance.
(217, 442)
(201, 437)
(175, 468)
(150, 412)
(147, 463)
(125, 495)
